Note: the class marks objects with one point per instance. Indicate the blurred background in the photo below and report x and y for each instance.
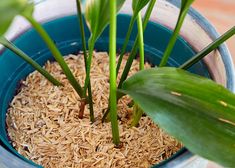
(221, 13)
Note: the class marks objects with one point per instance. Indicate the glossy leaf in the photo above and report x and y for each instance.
(97, 13)
(137, 5)
(195, 110)
(9, 9)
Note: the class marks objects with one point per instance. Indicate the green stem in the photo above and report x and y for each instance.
(29, 60)
(81, 24)
(91, 45)
(130, 28)
(141, 40)
(137, 114)
(170, 46)
(56, 53)
(112, 67)
(132, 55)
(135, 47)
(137, 111)
(208, 49)
(131, 25)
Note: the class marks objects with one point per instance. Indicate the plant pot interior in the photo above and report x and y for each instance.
(65, 33)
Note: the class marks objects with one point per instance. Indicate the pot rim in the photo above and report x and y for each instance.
(213, 34)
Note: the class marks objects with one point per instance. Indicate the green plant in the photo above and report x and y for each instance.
(185, 5)
(172, 97)
(25, 8)
(29, 60)
(83, 103)
(137, 5)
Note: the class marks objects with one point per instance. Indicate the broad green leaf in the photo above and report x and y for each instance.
(97, 15)
(195, 110)
(9, 9)
(137, 5)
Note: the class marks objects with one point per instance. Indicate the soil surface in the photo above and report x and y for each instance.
(43, 123)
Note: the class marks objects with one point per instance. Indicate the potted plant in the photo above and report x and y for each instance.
(170, 96)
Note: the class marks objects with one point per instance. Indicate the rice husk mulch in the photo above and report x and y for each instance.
(43, 124)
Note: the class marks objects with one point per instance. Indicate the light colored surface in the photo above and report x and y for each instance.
(221, 13)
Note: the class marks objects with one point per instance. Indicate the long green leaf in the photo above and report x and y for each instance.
(29, 60)
(9, 9)
(208, 49)
(185, 5)
(56, 53)
(195, 110)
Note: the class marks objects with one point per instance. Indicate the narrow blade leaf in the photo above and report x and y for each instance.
(185, 5)
(29, 60)
(9, 9)
(195, 110)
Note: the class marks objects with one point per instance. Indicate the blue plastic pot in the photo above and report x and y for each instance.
(65, 33)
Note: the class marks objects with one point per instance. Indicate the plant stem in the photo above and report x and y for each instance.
(131, 25)
(29, 60)
(208, 49)
(135, 47)
(130, 28)
(91, 45)
(132, 55)
(137, 111)
(81, 24)
(112, 67)
(141, 40)
(169, 48)
(137, 114)
(56, 53)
